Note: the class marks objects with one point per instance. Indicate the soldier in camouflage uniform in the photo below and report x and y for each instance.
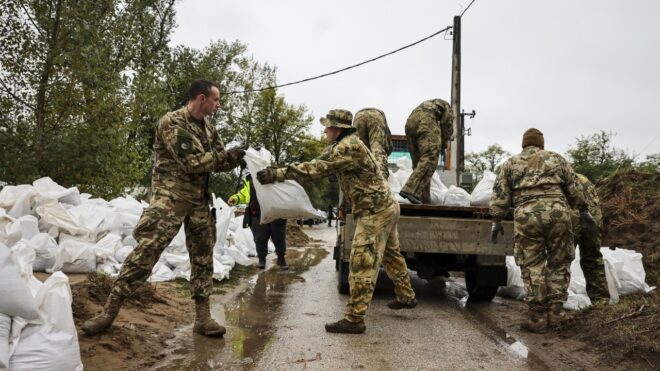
(376, 237)
(428, 129)
(542, 187)
(591, 260)
(371, 127)
(187, 149)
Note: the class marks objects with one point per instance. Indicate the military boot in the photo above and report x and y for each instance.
(395, 304)
(204, 324)
(557, 314)
(262, 263)
(101, 322)
(410, 197)
(282, 263)
(344, 326)
(537, 322)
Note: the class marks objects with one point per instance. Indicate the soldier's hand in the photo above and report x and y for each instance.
(495, 229)
(231, 202)
(267, 175)
(235, 155)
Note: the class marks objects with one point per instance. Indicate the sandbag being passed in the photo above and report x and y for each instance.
(281, 200)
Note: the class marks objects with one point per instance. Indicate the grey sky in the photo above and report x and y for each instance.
(569, 68)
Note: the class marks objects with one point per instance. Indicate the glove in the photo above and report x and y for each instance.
(495, 229)
(267, 175)
(235, 155)
(588, 222)
(243, 164)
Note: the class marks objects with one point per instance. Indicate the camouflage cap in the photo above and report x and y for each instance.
(338, 118)
(533, 137)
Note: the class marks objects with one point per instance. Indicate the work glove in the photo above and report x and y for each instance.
(268, 175)
(235, 155)
(495, 229)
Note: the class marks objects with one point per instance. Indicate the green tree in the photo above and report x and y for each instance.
(651, 164)
(65, 92)
(596, 157)
(478, 162)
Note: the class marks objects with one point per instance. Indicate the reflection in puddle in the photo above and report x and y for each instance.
(249, 320)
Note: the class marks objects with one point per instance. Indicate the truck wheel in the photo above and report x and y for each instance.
(342, 278)
(478, 292)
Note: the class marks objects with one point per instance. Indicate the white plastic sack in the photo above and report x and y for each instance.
(106, 248)
(483, 190)
(16, 299)
(55, 214)
(626, 270)
(47, 188)
(5, 327)
(395, 186)
(515, 288)
(220, 271)
(287, 200)
(577, 286)
(223, 216)
(45, 249)
(17, 199)
(160, 273)
(438, 190)
(75, 256)
(238, 256)
(456, 196)
(52, 345)
(122, 253)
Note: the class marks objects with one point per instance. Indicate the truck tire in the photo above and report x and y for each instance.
(478, 292)
(342, 278)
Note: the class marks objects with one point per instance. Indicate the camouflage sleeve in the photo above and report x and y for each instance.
(501, 199)
(378, 136)
(339, 160)
(574, 192)
(179, 143)
(224, 163)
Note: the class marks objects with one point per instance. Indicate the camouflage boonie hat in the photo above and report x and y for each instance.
(338, 118)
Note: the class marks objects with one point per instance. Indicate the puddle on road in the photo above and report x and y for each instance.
(249, 320)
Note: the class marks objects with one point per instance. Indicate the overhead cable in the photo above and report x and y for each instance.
(343, 69)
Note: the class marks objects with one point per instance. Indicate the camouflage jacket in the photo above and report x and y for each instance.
(356, 169)
(439, 112)
(186, 151)
(532, 175)
(593, 201)
(371, 126)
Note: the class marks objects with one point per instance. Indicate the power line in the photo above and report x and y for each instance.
(468, 7)
(343, 69)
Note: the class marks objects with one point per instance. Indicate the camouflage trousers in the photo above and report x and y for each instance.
(157, 226)
(376, 240)
(591, 260)
(424, 140)
(544, 250)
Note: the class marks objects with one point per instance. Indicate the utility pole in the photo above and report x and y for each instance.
(456, 102)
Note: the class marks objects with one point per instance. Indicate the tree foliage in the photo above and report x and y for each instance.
(80, 95)
(596, 157)
(478, 162)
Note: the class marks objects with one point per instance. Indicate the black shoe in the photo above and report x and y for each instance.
(411, 198)
(282, 263)
(262, 263)
(344, 326)
(395, 304)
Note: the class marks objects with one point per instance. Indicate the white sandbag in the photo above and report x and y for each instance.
(238, 256)
(175, 259)
(223, 216)
(129, 240)
(220, 271)
(243, 237)
(287, 200)
(55, 214)
(438, 190)
(106, 248)
(456, 196)
(5, 220)
(75, 256)
(17, 199)
(515, 288)
(29, 226)
(225, 260)
(483, 190)
(5, 327)
(577, 286)
(16, 297)
(183, 270)
(45, 249)
(13, 234)
(626, 271)
(161, 273)
(128, 205)
(402, 176)
(91, 214)
(52, 345)
(404, 163)
(395, 186)
(122, 253)
(48, 189)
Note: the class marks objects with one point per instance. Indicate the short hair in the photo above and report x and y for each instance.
(200, 86)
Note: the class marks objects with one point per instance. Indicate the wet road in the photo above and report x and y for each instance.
(276, 322)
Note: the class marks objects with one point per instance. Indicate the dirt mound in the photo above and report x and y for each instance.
(630, 201)
(295, 235)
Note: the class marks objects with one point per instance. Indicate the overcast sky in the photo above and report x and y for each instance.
(568, 68)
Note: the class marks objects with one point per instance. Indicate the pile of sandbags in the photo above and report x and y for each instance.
(74, 233)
